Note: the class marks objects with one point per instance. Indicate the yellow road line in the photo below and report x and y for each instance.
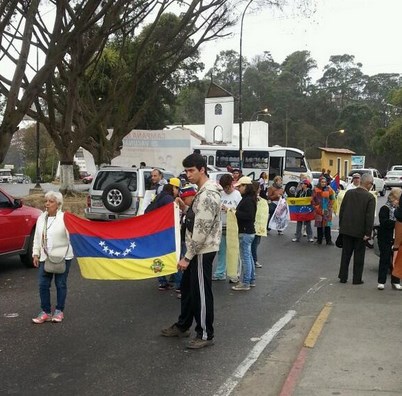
(315, 330)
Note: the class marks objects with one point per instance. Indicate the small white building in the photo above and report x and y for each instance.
(219, 126)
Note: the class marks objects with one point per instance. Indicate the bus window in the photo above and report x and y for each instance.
(256, 159)
(295, 162)
(227, 157)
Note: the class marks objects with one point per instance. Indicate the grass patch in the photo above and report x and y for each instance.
(74, 203)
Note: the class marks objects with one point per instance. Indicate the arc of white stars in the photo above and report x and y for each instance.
(117, 253)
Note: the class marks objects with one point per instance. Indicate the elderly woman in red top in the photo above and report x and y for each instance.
(322, 200)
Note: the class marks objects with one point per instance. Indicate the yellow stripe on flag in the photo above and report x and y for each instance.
(304, 201)
(120, 269)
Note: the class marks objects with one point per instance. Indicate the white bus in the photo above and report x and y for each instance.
(286, 162)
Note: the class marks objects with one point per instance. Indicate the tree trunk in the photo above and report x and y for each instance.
(66, 178)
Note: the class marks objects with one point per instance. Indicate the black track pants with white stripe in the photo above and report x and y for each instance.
(197, 301)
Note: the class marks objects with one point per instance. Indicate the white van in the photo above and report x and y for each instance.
(6, 176)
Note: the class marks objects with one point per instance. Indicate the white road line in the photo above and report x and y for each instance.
(227, 388)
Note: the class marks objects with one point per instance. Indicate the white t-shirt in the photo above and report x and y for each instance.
(230, 201)
(351, 186)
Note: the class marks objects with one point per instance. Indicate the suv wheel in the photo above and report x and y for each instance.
(382, 192)
(116, 198)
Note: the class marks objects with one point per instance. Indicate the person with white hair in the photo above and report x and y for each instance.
(51, 241)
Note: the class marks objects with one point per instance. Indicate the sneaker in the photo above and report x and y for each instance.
(304, 233)
(330, 243)
(280, 232)
(396, 286)
(218, 278)
(295, 240)
(380, 286)
(258, 265)
(234, 280)
(311, 240)
(252, 284)
(178, 295)
(163, 287)
(198, 343)
(58, 316)
(174, 331)
(42, 317)
(241, 286)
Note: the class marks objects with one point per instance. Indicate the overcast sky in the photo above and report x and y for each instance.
(368, 29)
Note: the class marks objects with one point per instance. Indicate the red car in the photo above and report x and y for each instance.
(17, 228)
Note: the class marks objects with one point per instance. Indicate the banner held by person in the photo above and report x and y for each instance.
(280, 219)
(300, 209)
(141, 247)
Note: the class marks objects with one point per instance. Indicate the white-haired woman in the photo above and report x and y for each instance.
(51, 239)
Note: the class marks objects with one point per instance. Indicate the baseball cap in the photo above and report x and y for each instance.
(187, 191)
(174, 181)
(243, 180)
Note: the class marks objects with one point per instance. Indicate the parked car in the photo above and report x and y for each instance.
(116, 192)
(393, 179)
(17, 228)
(87, 179)
(379, 184)
(396, 168)
(5, 175)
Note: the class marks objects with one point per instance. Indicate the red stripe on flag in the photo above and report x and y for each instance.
(158, 220)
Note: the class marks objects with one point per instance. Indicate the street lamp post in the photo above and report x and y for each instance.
(331, 133)
(240, 87)
(37, 185)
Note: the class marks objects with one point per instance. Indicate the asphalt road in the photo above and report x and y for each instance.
(109, 342)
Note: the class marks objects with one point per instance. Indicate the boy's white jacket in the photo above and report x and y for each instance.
(206, 235)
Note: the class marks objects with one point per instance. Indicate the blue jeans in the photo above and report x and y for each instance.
(220, 270)
(45, 280)
(247, 262)
(254, 247)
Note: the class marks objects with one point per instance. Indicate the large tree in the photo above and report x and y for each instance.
(74, 44)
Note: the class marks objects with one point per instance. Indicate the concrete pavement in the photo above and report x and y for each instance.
(358, 349)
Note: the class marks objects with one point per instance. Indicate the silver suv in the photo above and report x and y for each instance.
(379, 184)
(116, 192)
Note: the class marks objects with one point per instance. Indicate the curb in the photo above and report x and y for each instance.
(297, 368)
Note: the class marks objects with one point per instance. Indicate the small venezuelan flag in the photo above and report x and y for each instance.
(141, 247)
(300, 209)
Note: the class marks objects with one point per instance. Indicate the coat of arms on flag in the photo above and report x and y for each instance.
(141, 247)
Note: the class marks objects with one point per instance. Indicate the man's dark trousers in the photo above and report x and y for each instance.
(356, 246)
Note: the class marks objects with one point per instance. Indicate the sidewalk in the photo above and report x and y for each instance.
(358, 351)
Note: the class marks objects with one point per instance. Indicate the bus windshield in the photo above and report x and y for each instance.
(295, 162)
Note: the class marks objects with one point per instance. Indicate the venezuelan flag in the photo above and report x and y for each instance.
(141, 247)
(300, 209)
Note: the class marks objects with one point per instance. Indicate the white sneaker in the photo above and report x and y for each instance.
(397, 286)
(258, 265)
(311, 240)
(381, 286)
(295, 240)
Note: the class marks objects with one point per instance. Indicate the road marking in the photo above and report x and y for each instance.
(316, 329)
(227, 388)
